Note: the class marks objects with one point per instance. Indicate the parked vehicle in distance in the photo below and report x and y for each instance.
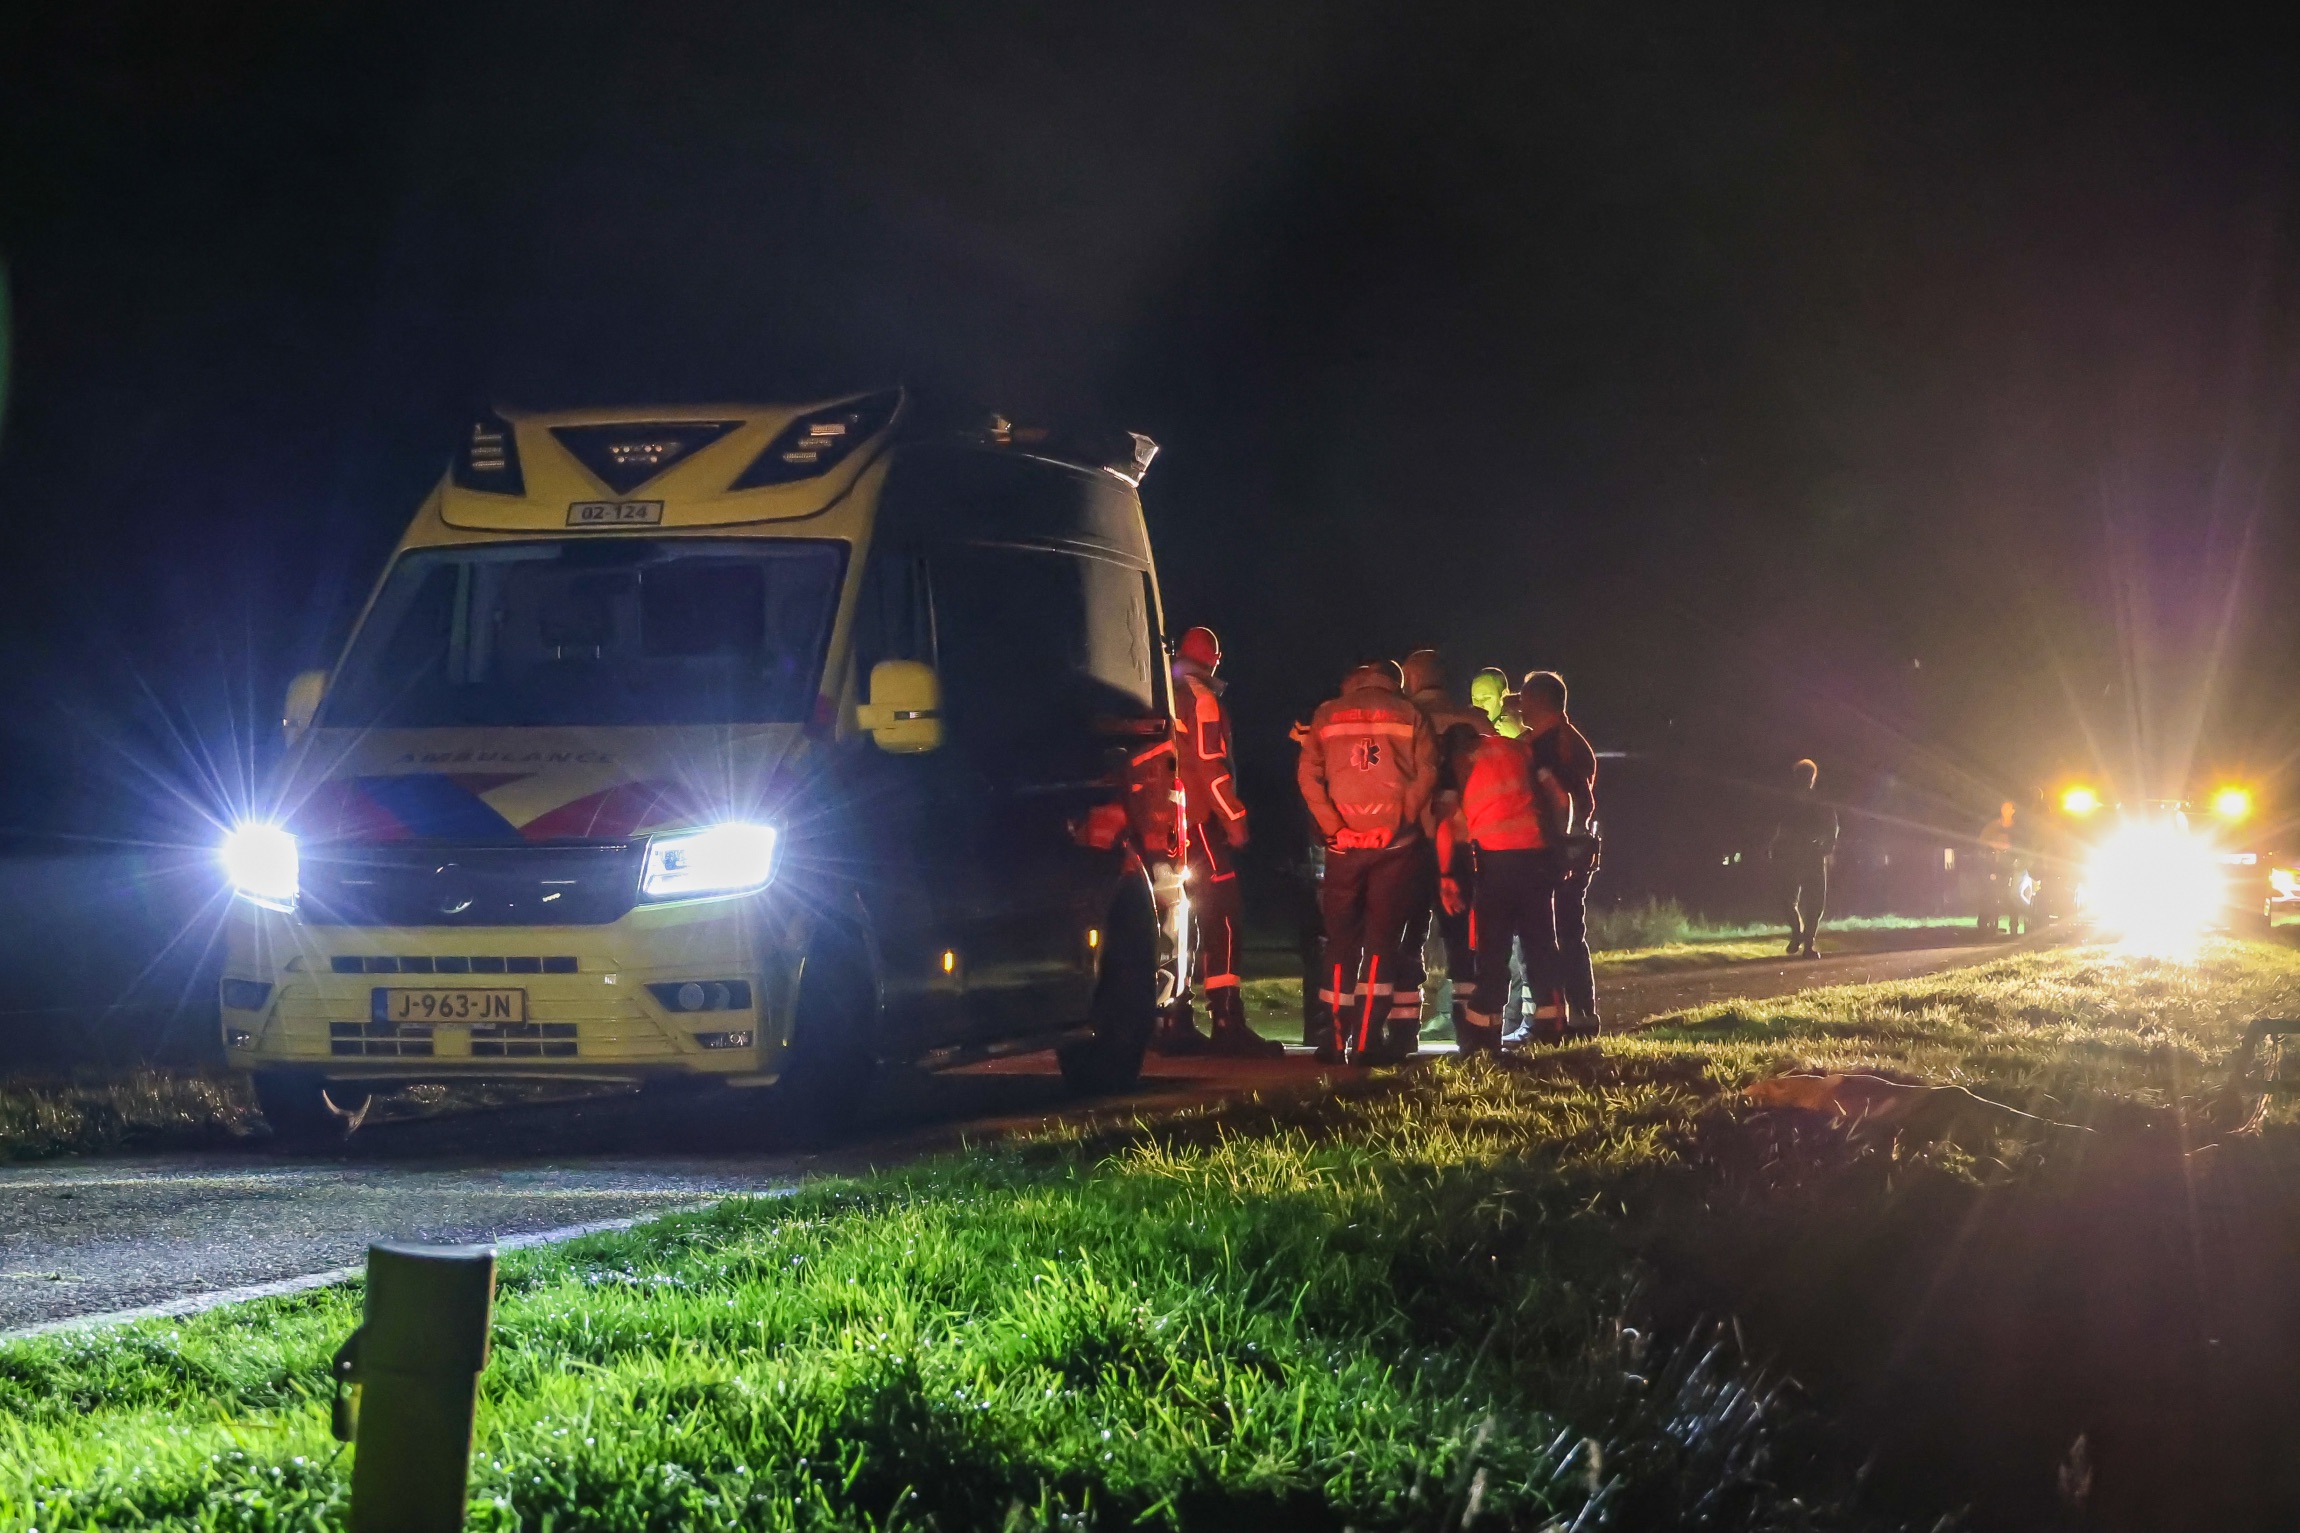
(2168, 864)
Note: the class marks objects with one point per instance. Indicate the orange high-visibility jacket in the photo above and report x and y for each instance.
(1369, 763)
(1510, 803)
(1202, 742)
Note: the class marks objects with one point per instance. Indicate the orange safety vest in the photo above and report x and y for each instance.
(1509, 803)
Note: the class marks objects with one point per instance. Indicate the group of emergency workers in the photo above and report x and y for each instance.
(1477, 819)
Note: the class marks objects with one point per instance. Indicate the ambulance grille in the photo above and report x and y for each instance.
(371, 1040)
(523, 1040)
(450, 963)
(423, 885)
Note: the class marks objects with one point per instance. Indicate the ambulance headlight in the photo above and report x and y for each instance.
(734, 858)
(260, 860)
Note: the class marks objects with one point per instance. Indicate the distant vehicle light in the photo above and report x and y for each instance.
(2233, 805)
(2285, 881)
(2079, 801)
(713, 863)
(261, 862)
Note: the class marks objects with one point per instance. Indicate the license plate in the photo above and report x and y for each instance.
(615, 513)
(396, 1005)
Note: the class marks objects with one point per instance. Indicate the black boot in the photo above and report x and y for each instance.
(1232, 1037)
(1178, 1033)
(1475, 1038)
(1405, 1037)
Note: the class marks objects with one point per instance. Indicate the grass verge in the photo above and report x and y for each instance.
(1472, 1295)
(1723, 949)
(146, 1108)
(1274, 1005)
(152, 1108)
(1654, 922)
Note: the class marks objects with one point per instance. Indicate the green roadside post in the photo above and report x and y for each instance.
(414, 1366)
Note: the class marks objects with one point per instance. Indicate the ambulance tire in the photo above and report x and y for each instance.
(1125, 1005)
(822, 1092)
(295, 1104)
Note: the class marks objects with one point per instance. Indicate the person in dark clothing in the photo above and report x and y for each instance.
(1564, 752)
(2001, 902)
(1458, 731)
(1306, 877)
(1804, 839)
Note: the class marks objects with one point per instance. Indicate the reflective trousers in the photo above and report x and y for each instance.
(1215, 911)
(1366, 897)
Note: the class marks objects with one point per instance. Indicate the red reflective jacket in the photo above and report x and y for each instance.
(1202, 743)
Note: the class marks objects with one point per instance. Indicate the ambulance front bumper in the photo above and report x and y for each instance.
(698, 990)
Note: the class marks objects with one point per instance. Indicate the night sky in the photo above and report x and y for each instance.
(1894, 384)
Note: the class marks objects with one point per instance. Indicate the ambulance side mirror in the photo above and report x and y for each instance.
(303, 697)
(904, 714)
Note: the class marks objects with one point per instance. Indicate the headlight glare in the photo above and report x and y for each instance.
(260, 860)
(734, 858)
(2156, 884)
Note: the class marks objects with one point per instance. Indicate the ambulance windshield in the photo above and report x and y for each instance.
(602, 631)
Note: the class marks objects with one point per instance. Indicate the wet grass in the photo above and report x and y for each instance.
(1651, 923)
(1723, 947)
(1274, 1004)
(144, 1108)
(1472, 1295)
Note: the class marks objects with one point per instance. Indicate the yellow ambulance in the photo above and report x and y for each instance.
(753, 745)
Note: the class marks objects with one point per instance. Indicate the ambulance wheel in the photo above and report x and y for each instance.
(823, 1089)
(297, 1106)
(1125, 1007)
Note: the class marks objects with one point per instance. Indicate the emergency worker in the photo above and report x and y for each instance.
(1367, 769)
(1512, 815)
(1804, 839)
(1216, 829)
(1458, 729)
(1562, 751)
(1154, 812)
(1488, 693)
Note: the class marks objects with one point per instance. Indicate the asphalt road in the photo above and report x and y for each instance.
(83, 1241)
